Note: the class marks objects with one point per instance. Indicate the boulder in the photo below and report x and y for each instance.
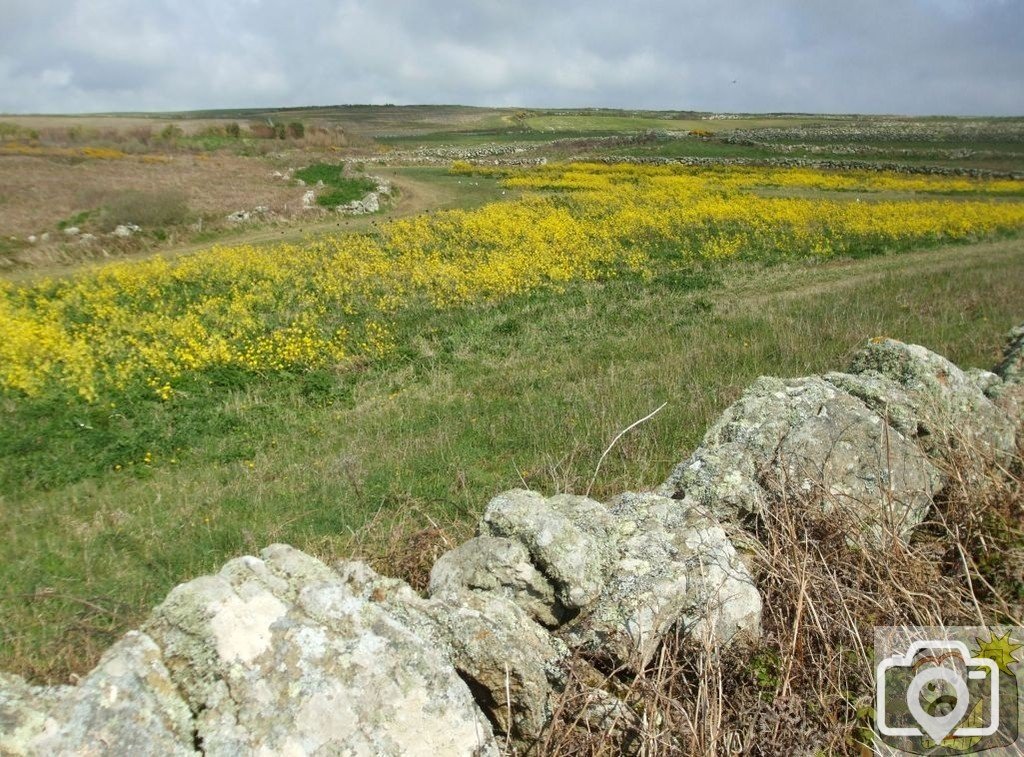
(808, 438)
(1011, 369)
(279, 655)
(502, 566)
(568, 539)
(675, 568)
(127, 704)
(948, 405)
(513, 666)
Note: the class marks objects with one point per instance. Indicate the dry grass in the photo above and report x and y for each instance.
(406, 543)
(40, 192)
(805, 687)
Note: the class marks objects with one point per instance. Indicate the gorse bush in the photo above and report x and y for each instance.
(154, 323)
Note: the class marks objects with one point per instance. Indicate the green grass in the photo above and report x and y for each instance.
(624, 122)
(341, 190)
(689, 147)
(95, 533)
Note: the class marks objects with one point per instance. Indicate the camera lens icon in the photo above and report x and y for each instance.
(934, 685)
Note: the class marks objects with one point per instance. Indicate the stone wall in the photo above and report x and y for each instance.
(284, 654)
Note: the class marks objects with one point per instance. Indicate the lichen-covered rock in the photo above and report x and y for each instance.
(279, 655)
(513, 665)
(126, 705)
(720, 478)
(568, 538)
(885, 397)
(807, 437)
(501, 566)
(1011, 369)
(948, 405)
(676, 568)
(1008, 393)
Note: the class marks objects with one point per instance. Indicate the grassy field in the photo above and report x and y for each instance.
(527, 316)
(527, 391)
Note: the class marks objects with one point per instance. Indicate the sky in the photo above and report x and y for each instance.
(956, 57)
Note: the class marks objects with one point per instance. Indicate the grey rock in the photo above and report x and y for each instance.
(1008, 392)
(567, 538)
(126, 705)
(370, 203)
(514, 666)
(125, 230)
(676, 568)
(949, 406)
(886, 397)
(1011, 369)
(809, 438)
(72, 231)
(279, 654)
(501, 566)
(720, 478)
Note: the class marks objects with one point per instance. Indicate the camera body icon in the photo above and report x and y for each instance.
(933, 685)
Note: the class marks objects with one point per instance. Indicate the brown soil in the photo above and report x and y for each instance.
(36, 193)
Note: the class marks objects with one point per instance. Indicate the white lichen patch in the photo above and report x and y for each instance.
(242, 627)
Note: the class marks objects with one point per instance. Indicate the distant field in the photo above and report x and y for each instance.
(629, 123)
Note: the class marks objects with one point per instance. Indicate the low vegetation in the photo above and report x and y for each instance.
(152, 209)
(162, 325)
(339, 188)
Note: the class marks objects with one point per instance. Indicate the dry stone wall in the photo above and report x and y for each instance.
(284, 654)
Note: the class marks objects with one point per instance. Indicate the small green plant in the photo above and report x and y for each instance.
(78, 219)
(296, 130)
(765, 669)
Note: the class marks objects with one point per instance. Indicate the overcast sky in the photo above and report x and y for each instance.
(868, 56)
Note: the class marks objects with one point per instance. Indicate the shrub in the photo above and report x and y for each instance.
(261, 130)
(233, 130)
(171, 132)
(149, 209)
(296, 130)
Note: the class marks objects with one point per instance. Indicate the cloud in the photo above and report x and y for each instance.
(890, 56)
